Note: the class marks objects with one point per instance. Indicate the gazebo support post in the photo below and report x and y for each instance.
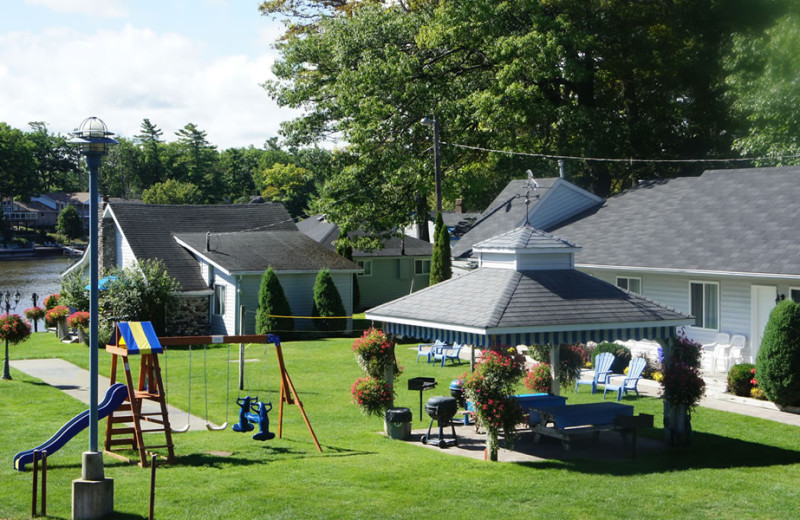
(555, 386)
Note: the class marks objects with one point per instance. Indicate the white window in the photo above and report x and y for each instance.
(704, 302)
(219, 299)
(422, 267)
(631, 284)
(366, 265)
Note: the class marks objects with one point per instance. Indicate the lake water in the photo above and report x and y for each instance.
(36, 275)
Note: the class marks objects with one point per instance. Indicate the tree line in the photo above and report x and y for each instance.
(188, 170)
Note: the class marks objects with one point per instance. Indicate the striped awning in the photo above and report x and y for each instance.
(529, 338)
(138, 337)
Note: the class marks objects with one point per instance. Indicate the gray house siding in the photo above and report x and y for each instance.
(392, 277)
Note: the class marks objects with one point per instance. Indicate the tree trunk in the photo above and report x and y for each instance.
(677, 425)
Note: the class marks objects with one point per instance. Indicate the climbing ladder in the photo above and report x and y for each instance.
(124, 429)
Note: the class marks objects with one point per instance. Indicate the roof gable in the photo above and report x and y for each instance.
(325, 232)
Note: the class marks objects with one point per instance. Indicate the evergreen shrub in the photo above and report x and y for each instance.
(739, 379)
(622, 355)
(778, 362)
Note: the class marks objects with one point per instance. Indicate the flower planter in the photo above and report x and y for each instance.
(82, 336)
(677, 425)
(61, 329)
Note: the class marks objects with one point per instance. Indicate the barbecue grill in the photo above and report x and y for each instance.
(441, 409)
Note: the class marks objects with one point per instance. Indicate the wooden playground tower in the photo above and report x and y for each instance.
(124, 426)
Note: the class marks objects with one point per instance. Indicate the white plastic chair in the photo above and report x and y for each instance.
(736, 353)
(712, 352)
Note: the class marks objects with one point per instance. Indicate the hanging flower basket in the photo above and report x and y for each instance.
(51, 301)
(539, 378)
(34, 313)
(372, 395)
(52, 316)
(375, 354)
(78, 320)
(13, 328)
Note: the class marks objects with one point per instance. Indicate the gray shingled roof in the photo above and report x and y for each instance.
(739, 220)
(525, 237)
(548, 300)
(325, 232)
(149, 228)
(507, 211)
(253, 252)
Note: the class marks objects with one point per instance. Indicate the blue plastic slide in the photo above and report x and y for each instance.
(115, 396)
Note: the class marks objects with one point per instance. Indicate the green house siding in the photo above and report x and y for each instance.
(299, 290)
(391, 278)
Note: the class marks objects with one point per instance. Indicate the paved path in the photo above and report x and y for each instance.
(74, 381)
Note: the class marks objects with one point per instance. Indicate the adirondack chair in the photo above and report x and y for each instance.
(452, 353)
(602, 371)
(427, 350)
(630, 382)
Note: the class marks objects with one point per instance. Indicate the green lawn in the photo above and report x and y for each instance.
(737, 466)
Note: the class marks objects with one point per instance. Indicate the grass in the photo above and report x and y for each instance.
(737, 465)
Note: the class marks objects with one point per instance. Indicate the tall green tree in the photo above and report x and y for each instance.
(198, 155)
(327, 302)
(69, 223)
(288, 184)
(441, 261)
(122, 172)
(153, 169)
(592, 79)
(272, 302)
(57, 163)
(172, 192)
(18, 167)
(764, 90)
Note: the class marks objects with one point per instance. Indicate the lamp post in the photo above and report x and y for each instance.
(93, 138)
(437, 159)
(7, 300)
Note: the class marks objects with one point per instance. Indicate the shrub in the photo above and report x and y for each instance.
(622, 355)
(272, 302)
(539, 378)
(681, 381)
(778, 361)
(73, 290)
(327, 302)
(441, 268)
(739, 379)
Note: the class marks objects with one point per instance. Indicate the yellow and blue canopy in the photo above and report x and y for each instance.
(138, 337)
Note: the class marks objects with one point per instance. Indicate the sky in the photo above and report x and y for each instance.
(173, 62)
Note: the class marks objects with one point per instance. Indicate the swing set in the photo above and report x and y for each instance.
(287, 394)
(124, 427)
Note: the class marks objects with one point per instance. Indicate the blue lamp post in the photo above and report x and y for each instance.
(93, 138)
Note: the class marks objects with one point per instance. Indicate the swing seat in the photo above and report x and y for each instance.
(246, 427)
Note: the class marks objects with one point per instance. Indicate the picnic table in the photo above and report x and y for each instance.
(565, 421)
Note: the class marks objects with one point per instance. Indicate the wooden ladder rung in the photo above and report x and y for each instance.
(122, 419)
(123, 431)
(151, 430)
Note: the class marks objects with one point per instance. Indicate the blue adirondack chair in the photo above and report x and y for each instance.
(602, 371)
(427, 350)
(630, 382)
(452, 353)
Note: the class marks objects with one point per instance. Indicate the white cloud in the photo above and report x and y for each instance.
(62, 76)
(104, 9)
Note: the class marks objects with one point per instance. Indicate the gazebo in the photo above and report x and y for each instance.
(526, 291)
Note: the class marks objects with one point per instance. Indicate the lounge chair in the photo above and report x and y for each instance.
(630, 382)
(452, 353)
(602, 371)
(427, 350)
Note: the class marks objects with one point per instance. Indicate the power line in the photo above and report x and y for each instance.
(620, 160)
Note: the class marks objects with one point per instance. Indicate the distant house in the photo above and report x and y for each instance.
(43, 210)
(218, 254)
(402, 266)
(722, 246)
(552, 202)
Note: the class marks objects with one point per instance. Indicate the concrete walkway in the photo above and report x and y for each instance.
(74, 381)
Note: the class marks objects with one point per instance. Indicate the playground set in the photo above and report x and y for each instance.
(130, 422)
